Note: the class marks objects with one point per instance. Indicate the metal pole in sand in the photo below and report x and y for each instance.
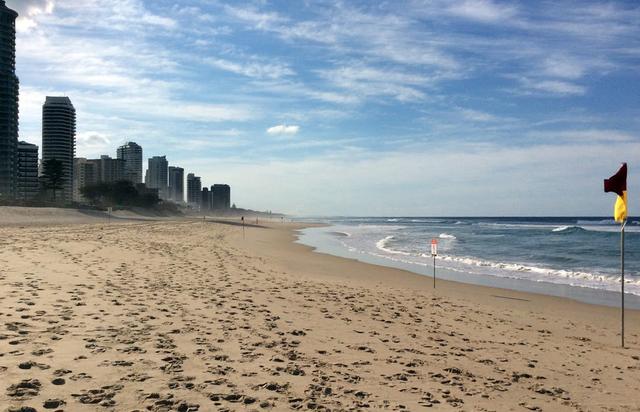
(434, 271)
(622, 273)
(243, 228)
(434, 253)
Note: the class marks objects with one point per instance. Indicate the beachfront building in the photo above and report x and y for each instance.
(176, 184)
(28, 185)
(194, 190)
(109, 170)
(85, 173)
(131, 153)
(205, 199)
(8, 103)
(59, 138)
(157, 174)
(220, 197)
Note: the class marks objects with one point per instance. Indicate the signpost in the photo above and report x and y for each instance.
(622, 274)
(109, 210)
(243, 227)
(434, 253)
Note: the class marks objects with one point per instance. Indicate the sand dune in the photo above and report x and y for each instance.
(188, 316)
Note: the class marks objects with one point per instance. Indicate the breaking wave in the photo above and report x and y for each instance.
(382, 244)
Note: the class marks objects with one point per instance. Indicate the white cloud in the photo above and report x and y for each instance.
(92, 144)
(586, 136)
(366, 81)
(558, 87)
(29, 11)
(563, 67)
(253, 69)
(282, 129)
(477, 116)
(546, 86)
(482, 10)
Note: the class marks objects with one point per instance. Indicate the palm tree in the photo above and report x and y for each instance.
(53, 175)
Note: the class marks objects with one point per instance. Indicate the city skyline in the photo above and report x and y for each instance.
(374, 114)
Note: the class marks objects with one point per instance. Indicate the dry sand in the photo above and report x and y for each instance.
(186, 316)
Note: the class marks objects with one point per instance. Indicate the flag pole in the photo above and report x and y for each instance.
(622, 273)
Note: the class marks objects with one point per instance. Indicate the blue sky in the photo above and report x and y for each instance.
(471, 107)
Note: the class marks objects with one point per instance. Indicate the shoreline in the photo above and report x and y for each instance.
(323, 241)
(403, 278)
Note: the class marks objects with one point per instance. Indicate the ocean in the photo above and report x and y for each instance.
(570, 257)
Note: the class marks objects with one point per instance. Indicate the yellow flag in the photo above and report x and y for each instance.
(620, 208)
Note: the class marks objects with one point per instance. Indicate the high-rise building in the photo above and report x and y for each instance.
(8, 103)
(131, 153)
(157, 174)
(220, 197)
(85, 173)
(109, 170)
(59, 138)
(194, 190)
(205, 199)
(28, 185)
(176, 184)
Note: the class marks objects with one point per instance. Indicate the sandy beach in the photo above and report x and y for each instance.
(190, 316)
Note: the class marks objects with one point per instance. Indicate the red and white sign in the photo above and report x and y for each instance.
(434, 247)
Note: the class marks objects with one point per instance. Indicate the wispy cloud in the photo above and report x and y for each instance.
(482, 10)
(254, 69)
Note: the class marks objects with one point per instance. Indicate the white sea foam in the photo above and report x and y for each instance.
(516, 225)
(447, 236)
(541, 274)
(597, 222)
(568, 228)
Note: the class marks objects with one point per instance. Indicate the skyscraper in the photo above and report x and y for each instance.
(8, 103)
(220, 197)
(205, 199)
(131, 153)
(176, 184)
(109, 170)
(59, 138)
(85, 173)
(157, 174)
(28, 185)
(194, 190)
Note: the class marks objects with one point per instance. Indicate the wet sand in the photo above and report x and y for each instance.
(188, 315)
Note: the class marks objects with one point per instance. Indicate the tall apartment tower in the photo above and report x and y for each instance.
(220, 197)
(131, 153)
(157, 174)
(205, 199)
(194, 190)
(59, 138)
(176, 184)
(8, 103)
(85, 173)
(109, 170)
(28, 186)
